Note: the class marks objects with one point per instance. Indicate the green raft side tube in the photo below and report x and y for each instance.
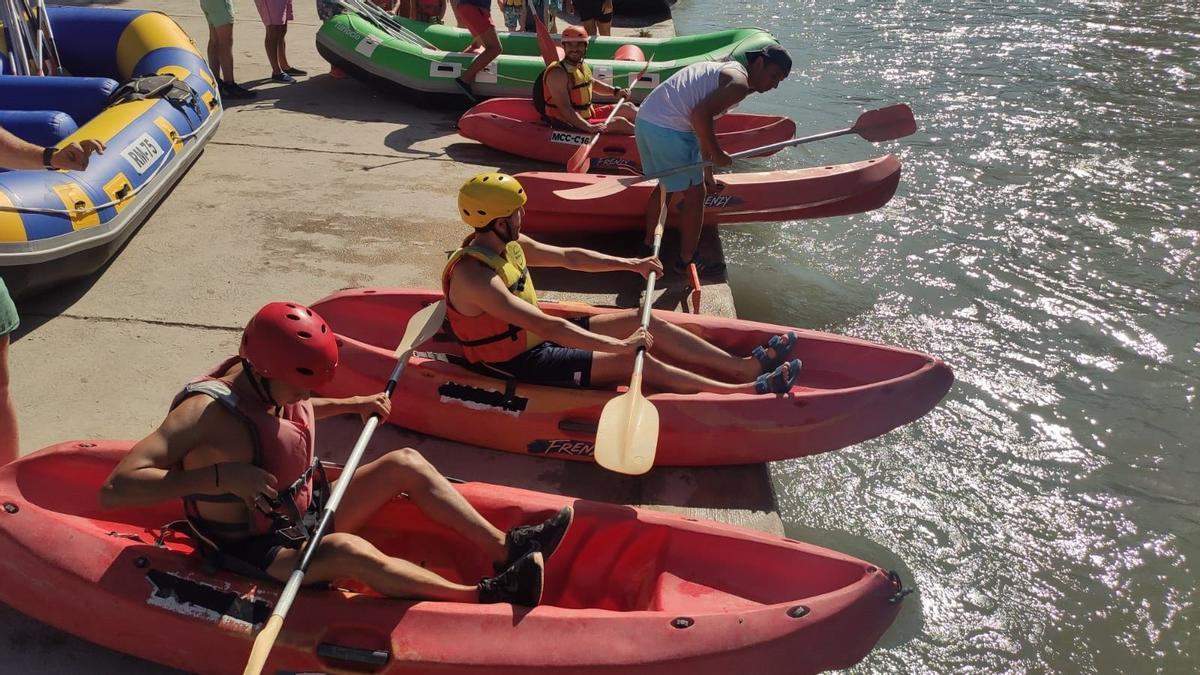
(390, 51)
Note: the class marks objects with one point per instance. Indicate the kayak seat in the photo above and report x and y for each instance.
(673, 593)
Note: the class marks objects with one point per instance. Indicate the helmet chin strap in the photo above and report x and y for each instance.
(262, 387)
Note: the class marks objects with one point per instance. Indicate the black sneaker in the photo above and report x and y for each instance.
(466, 89)
(292, 70)
(520, 584)
(233, 90)
(544, 537)
(283, 77)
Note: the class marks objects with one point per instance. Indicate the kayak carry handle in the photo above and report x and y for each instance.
(370, 657)
(578, 426)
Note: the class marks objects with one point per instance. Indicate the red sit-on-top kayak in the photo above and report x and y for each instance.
(770, 196)
(848, 390)
(627, 591)
(515, 126)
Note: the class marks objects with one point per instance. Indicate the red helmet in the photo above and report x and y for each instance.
(290, 342)
(573, 34)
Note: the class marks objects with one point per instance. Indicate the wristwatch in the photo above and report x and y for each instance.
(47, 155)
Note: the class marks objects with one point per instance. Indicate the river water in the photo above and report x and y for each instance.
(1043, 242)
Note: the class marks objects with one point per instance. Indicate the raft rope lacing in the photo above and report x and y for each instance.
(132, 192)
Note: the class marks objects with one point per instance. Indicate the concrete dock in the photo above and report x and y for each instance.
(310, 188)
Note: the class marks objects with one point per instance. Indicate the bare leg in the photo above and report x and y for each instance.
(405, 470)
(214, 51)
(691, 219)
(605, 27)
(677, 345)
(9, 446)
(271, 43)
(282, 57)
(612, 369)
(342, 556)
(225, 51)
(491, 49)
(622, 125)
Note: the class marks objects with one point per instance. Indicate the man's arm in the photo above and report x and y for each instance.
(560, 96)
(364, 406)
(485, 290)
(16, 153)
(538, 254)
(732, 88)
(150, 473)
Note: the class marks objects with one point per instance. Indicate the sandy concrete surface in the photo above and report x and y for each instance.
(313, 187)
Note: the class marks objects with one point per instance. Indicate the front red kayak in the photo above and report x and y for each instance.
(627, 591)
(848, 391)
(515, 126)
(771, 196)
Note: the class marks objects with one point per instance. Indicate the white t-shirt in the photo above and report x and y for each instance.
(671, 103)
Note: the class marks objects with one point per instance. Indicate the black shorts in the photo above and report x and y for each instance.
(592, 10)
(547, 363)
(258, 551)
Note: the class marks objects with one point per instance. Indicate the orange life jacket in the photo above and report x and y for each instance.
(485, 338)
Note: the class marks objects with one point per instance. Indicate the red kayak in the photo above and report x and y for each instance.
(848, 390)
(514, 126)
(771, 196)
(628, 590)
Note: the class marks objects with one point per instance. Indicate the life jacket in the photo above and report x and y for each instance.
(580, 91)
(283, 446)
(485, 338)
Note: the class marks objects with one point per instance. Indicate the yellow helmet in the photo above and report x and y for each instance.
(489, 196)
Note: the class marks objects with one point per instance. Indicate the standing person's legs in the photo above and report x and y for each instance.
(214, 51)
(275, 15)
(491, 49)
(663, 149)
(225, 51)
(9, 447)
(604, 21)
(271, 44)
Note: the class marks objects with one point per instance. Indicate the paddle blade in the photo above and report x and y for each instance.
(546, 45)
(886, 124)
(422, 326)
(627, 435)
(579, 161)
(600, 189)
(262, 645)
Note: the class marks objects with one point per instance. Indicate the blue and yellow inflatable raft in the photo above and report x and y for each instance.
(60, 225)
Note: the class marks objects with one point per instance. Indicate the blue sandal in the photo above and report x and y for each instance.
(783, 346)
(775, 382)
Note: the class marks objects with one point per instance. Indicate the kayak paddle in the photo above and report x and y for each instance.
(884, 124)
(627, 434)
(422, 326)
(579, 161)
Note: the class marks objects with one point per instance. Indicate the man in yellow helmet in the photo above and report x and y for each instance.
(493, 312)
(564, 96)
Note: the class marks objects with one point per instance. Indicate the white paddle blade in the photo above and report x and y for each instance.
(422, 326)
(600, 189)
(627, 435)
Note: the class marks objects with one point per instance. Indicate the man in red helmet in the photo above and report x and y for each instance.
(563, 94)
(238, 448)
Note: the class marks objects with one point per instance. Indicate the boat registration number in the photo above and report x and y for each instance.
(142, 152)
(569, 138)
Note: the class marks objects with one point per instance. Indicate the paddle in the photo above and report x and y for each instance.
(546, 46)
(422, 326)
(627, 434)
(579, 161)
(884, 124)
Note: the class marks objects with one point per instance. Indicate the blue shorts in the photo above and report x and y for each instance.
(662, 149)
(547, 363)
(8, 311)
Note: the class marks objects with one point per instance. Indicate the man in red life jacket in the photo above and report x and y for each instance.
(238, 446)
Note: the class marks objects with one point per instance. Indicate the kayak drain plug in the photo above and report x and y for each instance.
(797, 611)
(10, 507)
(682, 622)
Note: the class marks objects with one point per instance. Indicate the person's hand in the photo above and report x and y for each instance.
(252, 484)
(594, 128)
(721, 158)
(644, 266)
(75, 155)
(713, 185)
(641, 338)
(379, 404)
(624, 93)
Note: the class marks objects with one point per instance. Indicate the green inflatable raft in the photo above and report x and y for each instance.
(425, 58)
